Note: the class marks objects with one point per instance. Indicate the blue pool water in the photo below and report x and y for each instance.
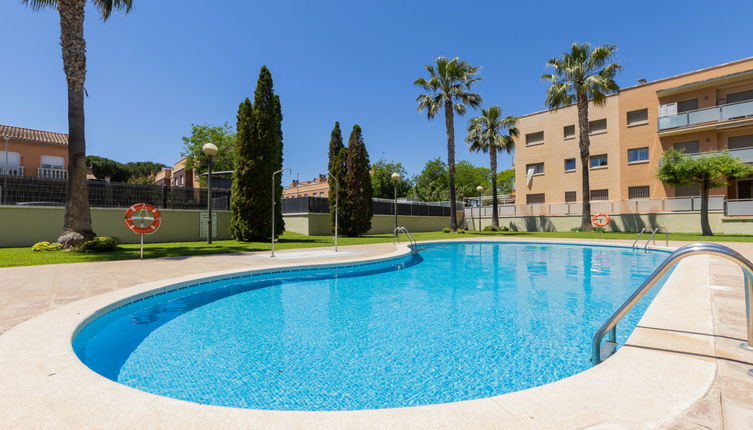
(452, 322)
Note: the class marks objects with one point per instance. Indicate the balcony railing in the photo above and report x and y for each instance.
(43, 172)
(13, 171)
(712, 114)
(744, 154)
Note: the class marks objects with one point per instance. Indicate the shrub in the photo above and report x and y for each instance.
(100, 244)
(446, 229)
(598, 229)
(504, 228)
(579, 229)
(46, 246)
(491, 228)
(461, 231)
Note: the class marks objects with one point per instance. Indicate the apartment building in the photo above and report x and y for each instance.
(317, 187)
(177, 176)
(29, 152)
(700, 112)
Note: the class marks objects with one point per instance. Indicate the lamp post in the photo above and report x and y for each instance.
(210, 149)
(274, 203)
(395, 177)
(5, 173)
(480, 189)
(337, 204)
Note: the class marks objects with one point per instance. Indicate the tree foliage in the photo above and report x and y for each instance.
(133, 172)
(258, 153)
(582, 75)
(678, 168)
(359, 207)
(432, 183)
(448, 88)
(382, 183)
(492, 132)
(222, 136)
(336, 175)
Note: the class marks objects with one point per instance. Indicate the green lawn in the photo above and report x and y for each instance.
(10, 257)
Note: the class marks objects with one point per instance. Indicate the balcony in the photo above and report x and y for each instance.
(710, 116)
(744, 154)
(13, 171)
(52, 173)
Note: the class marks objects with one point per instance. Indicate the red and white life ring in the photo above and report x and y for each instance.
(143, 212)
(601, 220)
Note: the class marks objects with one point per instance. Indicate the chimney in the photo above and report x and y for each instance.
(642, 81)
(322, 178)
(294, 183)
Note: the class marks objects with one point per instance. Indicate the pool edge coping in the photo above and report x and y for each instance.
(114, 299)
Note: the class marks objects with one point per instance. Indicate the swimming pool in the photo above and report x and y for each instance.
(455, 321)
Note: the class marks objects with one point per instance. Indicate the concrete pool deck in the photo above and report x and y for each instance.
(681, 368)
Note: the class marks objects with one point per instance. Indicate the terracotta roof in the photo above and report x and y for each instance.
(33, 136)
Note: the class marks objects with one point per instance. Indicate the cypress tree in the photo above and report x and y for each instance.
(336, 168)
(258, 155)
(360, 206)
(243, 178)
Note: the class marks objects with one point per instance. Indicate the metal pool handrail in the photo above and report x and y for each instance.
(653, 237)
(610, 326)
(406, 233)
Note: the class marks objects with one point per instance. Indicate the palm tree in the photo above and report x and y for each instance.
(448, 88)
(580, 76)
(491, 132)
(77, 226)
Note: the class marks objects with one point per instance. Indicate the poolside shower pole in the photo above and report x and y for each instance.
(210, 149)
(274, 202)
(5, 174)
(395, 177)
(479, 189)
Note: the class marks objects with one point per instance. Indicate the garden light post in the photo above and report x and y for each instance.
(480, 189)
(395, 177)
(337, 205)
(274, 203)
(210, 149)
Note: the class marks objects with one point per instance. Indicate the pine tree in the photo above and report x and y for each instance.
(360, 206)
(243, 176)
(258, 155)
(336, 168)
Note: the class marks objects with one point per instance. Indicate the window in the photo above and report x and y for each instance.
(569, 164)
(599, 161)
(51, 162)
(640, 192)
(687, 147)
(600, 194)
(598, 126)
(570, 196)
(637, 117)
(739, 142)
(569, 131)
(687, 105)
(688, 190)
(535, 138)
(637, 155)
(14, 159)
(535, 169)
(534, 198)
(739, 97)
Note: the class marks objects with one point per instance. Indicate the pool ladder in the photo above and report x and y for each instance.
(652, 237)
(406, 233)
(600, 353)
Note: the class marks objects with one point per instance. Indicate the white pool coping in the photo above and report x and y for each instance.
(638, 387)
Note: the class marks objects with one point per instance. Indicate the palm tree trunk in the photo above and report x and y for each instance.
(450, 126)
(493, 165)
(585, 159)
(705, 226)
(77, 220)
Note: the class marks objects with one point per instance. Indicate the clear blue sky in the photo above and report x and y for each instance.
(170, 63)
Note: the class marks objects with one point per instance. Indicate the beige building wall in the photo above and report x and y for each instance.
(621, 137)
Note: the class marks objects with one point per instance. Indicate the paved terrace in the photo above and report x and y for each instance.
(692, 329)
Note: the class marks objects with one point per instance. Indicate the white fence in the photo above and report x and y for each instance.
(740, 207)
(672, 204)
